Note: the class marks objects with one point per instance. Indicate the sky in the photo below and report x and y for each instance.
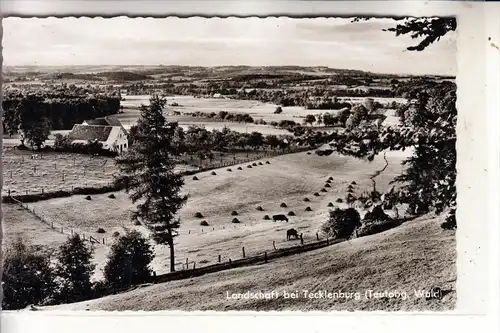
(196, 41)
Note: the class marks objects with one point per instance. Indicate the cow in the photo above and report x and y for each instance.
(291, 233)
(280, 217)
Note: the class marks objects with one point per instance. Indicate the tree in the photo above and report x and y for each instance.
(147, 172)
(255, 140)
(431, 29)
(27, 277)
(74, 270)
(128, 262)
(310, 119)
(342, 223)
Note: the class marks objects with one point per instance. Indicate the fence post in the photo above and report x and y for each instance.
(326, 240)
(230, 262)
(103, 241)
(194, 265)
(265, 256)
(187, 262)
(243, 250)
(42, 190)
(317, 236)
(189, 232)
(301, 240)
(26, 192)
(63, 232)
(219, 257)
(274, 245)
(52, 225)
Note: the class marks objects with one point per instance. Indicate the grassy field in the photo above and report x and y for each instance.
(418, 255)
(289, 178)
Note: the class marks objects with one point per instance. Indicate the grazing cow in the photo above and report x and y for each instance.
(280, 217)
(292, 233)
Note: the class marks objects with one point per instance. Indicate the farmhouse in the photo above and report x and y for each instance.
(107, 130)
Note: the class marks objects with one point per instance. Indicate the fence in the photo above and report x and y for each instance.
(55, 226)
(245, 261)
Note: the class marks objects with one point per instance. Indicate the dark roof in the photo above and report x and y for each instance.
(104, 121)
(90, 132)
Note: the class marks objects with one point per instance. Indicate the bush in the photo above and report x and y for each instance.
(112, 196)
(377, 214)
(100, 231)
(291, 213)
(376, 227)
(235, 220)
(316, 194)
(342, 222)
(259, 208)
(339, 200)
(198, 215)
(204, 223)
(213, 173)
(283, 205)
(27, 277)
(266, 217)
(234, 213)
(195, 178)
(308, 209)
(450, 222)
(330, 204)
(74, 270)
(128, 262)
(88, 197)
(116, 234)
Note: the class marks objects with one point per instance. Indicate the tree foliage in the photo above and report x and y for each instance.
(74, 270)
(129, 261)
(27, 277)
(342, 223)
(147, 172)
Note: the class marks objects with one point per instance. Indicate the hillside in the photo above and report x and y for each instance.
(417, 255)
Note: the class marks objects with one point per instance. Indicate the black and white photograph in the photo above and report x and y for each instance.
(230, 164)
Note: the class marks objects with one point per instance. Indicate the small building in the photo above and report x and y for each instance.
(107, 130)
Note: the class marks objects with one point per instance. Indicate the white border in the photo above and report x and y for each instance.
(477, 147)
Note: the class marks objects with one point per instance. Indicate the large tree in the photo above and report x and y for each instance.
(147, 171)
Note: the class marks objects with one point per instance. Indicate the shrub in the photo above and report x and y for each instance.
(198, 215)
(88, 197)
(323, 190)
(128, 262)
(234, 213)
(316, 194)
(283, 205)
(204, 223)
(342, 222)
(330, 204)
(74, 270)
(195, 178)
(213, 173)
(235, 220)
(306, 199)
(328, 185)
(377, 214)
(100, 231)
(291, 213)
(112, 196)
(229, 170)
(376, 227)
(27, 277)
(450, 222)
(339, 200)
(239, 168)
(259, 208)
(266, 217)
(308, 209)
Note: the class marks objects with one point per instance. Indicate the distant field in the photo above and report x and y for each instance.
(289, 178)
